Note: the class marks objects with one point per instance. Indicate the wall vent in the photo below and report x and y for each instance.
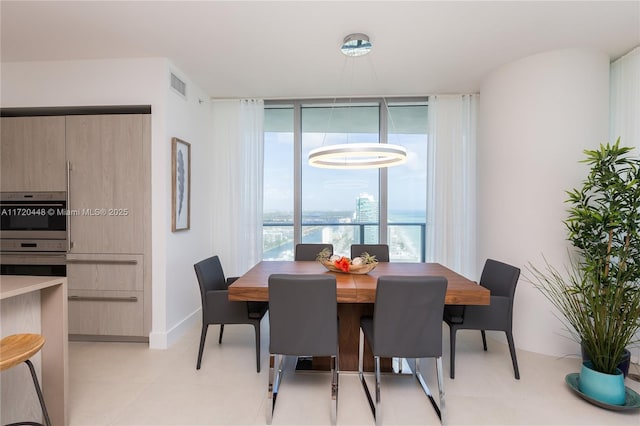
(178, 85)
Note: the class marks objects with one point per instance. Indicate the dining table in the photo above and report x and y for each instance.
(356, 295)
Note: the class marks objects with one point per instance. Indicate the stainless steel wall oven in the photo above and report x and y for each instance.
(33, 233)
(39, 215)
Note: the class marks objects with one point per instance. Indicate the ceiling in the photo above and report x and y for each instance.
(269, 49)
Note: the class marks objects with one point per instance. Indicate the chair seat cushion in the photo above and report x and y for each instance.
(257, 309)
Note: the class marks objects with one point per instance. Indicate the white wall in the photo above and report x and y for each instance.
(144, 81)
(190, 120)
(537, 115)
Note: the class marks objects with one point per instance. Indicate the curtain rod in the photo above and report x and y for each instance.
(307, 98)
(320, 98)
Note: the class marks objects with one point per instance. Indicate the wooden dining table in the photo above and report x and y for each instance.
(356, 294)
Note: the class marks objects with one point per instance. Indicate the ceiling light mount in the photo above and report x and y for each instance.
(356, 44)
(357, 155)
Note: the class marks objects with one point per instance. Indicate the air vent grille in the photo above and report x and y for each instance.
(178, 85)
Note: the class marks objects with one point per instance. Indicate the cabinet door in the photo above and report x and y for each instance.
(112, 272)
(108, 181)
(106, 313)
(32, 154)
(106, 296)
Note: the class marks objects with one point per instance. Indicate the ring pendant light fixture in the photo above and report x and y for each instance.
(357, 155)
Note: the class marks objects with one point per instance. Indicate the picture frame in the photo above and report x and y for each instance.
(180, 185)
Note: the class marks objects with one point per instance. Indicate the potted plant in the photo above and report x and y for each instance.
(599, 293)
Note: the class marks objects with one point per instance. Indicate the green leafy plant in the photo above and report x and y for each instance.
(604, 218)
(324, 254)
(368, 258)
(599, 295)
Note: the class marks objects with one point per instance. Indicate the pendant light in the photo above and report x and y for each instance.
(357, 155)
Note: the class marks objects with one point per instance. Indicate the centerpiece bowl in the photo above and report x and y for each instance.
(353, 269)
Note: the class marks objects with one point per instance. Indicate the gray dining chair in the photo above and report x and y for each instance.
(217, 309)
(501, 279)
(380, 251)
(306, 251)
(406, 323)
(303, 320)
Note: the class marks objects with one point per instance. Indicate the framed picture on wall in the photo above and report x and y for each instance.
(180, 185)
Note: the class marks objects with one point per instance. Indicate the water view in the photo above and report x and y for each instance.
(340, 228)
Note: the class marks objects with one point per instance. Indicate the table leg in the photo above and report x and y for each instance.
(349, 338)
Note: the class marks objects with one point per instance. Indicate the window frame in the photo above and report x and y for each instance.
(383, 104)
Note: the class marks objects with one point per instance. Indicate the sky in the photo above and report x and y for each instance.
(331, 189)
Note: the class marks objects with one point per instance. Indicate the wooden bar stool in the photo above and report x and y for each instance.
(19, 348)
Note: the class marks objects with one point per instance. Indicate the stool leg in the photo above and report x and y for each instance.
(47, 421)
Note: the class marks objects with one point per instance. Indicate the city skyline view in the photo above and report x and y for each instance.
(342, 206)
(343, 228)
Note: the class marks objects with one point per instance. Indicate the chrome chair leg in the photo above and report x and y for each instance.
(361, 354)
(426, 390)
(397, 366)
(274, 384)
(361, 375)
(334, 391)
(378, 412)
(443, 410)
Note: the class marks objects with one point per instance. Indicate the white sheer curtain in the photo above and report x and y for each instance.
(625, 100)
(625, 116)
(451, 183)
(237, 184)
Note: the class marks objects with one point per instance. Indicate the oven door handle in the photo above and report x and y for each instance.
(34, 205)
(33, 258)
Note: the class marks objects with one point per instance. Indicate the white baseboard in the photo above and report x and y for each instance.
(163, 340)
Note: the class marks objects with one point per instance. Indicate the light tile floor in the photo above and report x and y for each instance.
(129, 384)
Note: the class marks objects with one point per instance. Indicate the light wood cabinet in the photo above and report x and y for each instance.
(105, 315)
(106, 296)
(93, 271)
(101, 156)
(108, 179)
(32, 153)
(108, 265)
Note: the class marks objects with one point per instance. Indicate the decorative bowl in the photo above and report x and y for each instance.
(353, 269)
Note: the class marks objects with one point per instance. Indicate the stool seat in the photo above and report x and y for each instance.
(18, 348)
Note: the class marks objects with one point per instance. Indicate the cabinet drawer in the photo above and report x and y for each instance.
(106, 313)
(105, 272)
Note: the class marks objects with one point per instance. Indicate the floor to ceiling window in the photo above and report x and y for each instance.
(277, 232)
(307, 204)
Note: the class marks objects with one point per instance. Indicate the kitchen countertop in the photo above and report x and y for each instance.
(15, 285)
(53, 326)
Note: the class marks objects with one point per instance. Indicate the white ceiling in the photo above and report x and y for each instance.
(268, 49)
